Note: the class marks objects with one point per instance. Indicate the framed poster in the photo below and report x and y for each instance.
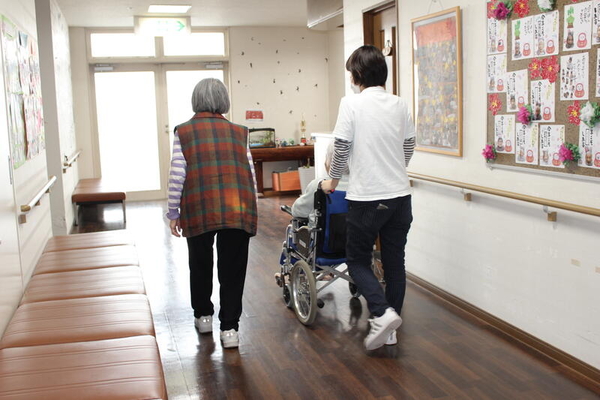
(437, 82)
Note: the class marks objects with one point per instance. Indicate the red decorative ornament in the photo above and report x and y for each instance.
(550, 68)
(521, 7)
(494, 103)
(491, 6)
(574, 112)
(535, 68)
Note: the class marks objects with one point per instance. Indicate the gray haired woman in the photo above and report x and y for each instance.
(212, 193)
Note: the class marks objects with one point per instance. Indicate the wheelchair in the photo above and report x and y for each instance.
(314, 252)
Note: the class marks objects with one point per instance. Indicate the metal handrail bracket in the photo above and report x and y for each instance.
(26, 208)
(511, 195)
(69, 161)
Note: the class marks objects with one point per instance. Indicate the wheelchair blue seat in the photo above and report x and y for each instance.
(331, 246)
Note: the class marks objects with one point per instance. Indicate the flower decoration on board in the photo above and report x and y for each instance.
(535, 68)
(568, 153)
(574, 111)
(546, 5)
(503, 9)
(590, 114)
(494, 103)
(525, 114)
(491, 6)
(521, 7)
(489, 152)
(550, 68)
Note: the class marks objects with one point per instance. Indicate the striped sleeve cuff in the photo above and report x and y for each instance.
(341, 153)
(409, 149)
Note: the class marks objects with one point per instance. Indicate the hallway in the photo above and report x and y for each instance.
(443, 353)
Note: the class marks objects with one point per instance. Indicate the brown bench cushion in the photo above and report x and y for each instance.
(85, 283)
(80, 259)
(79, 320)
(96, 190)
(89, 240)
(115, 369)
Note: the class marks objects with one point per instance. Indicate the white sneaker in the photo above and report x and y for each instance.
(381, 328)
(392, 340)
(204, 324)
(230, 339)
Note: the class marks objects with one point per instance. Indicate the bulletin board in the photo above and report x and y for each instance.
(543, 57)
(23, 92)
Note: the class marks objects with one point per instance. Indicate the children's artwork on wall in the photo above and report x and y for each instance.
(23, 93)
(574, 77)
(542, 100)
(437, 82)
(517, 90)
(496, 73)
(504, 133)
(546, 28)
(556, 79)
(596, 23)
(496, 36)
(589, 143)
(523, 38)
(577, 31)
(527, 136)
(551, 138)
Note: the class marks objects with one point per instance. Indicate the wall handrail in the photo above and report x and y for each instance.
(36, 199)
(69, 161)
(511, 195)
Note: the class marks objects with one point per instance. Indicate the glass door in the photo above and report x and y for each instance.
(137, 108)
(180, 82)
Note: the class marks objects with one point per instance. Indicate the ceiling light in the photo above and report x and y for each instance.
(167, 9)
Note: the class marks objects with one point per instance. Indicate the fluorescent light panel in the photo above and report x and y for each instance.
(168, 9)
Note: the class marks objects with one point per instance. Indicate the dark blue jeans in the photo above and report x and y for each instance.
(390, 219)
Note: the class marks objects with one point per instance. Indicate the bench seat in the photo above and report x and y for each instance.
(81, 259)
(97, 191)
(85, 283)
(79, 320)
(116, 369)
(91, 240)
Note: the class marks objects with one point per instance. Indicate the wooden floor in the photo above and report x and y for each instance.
(443, 353)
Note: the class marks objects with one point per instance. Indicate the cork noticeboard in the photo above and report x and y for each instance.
(522, 53)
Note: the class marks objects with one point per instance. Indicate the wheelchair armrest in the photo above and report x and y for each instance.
(287, 209)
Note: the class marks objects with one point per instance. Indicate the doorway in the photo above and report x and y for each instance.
(137, 108)
(379, 25)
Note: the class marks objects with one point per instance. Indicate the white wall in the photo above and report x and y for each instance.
(55, 67)
(32, 236)
(337, 73)
(284, 72)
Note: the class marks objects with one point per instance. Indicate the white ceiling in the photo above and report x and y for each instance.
(119, 13)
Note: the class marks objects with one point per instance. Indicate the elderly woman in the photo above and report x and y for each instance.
(212, 193)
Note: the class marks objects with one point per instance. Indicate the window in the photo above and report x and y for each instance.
(195, 44)
(121, 45)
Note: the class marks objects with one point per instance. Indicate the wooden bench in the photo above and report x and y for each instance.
(83, 331)
(97, 191)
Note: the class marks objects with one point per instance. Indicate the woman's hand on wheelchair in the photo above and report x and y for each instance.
(328, 185)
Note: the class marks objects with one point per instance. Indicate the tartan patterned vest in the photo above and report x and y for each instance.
(218, 192)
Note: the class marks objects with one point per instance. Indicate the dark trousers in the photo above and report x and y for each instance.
(232, 259)
(390, 219)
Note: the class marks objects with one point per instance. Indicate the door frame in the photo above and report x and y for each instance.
(162, 117)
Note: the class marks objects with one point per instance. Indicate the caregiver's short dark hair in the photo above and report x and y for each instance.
(367, 66)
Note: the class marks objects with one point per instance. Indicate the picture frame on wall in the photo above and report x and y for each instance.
(437, 82)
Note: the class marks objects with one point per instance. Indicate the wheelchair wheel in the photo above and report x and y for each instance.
(353, 289)
(287, 295)
(304, 292)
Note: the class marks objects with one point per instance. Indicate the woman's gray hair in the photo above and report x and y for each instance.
(210, 95)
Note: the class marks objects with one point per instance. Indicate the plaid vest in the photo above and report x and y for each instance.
(218, 192)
